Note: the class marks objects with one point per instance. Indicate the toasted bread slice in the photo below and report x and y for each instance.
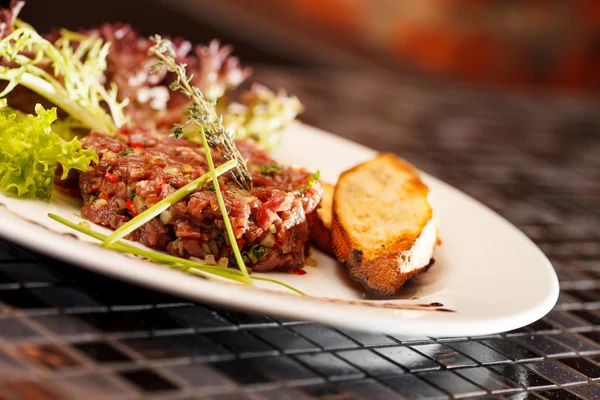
(320, 231)
(383, 229)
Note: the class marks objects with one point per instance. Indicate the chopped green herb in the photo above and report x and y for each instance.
(220, 240)
(311, 181)
(314, 178)
(126, 152)
(255, 253)
(270, 169)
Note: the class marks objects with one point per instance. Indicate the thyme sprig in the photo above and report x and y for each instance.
(212, 134)
(201, 111)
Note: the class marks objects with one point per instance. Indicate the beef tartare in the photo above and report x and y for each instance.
(270, 222)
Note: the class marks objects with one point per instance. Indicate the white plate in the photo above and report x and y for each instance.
(488, 272)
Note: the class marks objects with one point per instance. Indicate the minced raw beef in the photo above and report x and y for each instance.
(270, 222)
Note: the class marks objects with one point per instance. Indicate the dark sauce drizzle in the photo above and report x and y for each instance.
(435, 306)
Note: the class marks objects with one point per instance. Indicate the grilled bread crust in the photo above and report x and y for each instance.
(320, 232)
(383, 229)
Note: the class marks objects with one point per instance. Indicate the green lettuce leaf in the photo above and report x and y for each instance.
(30, 151)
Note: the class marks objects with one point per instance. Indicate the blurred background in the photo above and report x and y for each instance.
(431, 80)
(541, 44)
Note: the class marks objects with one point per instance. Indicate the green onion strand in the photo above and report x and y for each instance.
(168, 260)
(165, 203)
(228, 228)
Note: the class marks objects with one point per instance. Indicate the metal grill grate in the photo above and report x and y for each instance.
(69, 333)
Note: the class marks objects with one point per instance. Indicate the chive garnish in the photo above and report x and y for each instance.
(165, 203)
(169, 260)
(202, 114)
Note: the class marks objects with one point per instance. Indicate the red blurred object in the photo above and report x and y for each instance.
(539, 43)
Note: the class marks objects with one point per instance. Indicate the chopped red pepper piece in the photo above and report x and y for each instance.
(129, 205)
(298, 271)
(136, 145)
(126, 130)
(104, 195)
(112, 178)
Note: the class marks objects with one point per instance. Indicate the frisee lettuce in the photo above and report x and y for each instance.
(68, 73)
(30, 152)
(262, 115)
